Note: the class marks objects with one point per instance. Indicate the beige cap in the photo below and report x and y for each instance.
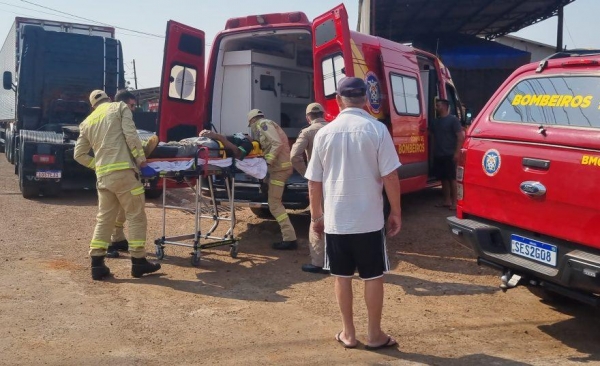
(97, 96)
(314, 108)
(254, 113)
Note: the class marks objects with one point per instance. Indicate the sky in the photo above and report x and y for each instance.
(141, 25)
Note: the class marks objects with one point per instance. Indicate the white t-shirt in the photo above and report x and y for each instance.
(350, 156)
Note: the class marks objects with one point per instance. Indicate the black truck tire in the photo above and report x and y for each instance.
(28, 189)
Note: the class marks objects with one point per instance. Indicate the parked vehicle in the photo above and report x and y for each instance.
(49, 69)
(280, 63)
(528, 176)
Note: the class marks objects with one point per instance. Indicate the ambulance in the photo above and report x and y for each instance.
(528, 179)
(280, 63)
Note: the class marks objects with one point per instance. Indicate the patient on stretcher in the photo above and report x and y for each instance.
(238, 146)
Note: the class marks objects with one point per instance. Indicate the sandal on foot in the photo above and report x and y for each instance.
(346, 345)
(384, 345)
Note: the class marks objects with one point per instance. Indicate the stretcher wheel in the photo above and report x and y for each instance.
(196, 259)
(233, 251)
(160, 252)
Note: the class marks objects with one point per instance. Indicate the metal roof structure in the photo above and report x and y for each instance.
(406, 20)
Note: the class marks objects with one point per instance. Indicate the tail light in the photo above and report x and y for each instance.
(44, 159)
(581, 62)
(460, 175)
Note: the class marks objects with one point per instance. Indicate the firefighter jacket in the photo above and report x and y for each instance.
(274, 144)
(110, 132)
(304, 143)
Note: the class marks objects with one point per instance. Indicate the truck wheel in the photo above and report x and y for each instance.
(262, 213)
(153, 193)
(28, 189)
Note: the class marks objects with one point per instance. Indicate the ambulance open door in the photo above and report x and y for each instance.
(332, 55)
(180, 110)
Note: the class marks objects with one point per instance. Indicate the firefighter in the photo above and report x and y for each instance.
(118, 159)
(118, 240)
(276, 149)
(303, 146)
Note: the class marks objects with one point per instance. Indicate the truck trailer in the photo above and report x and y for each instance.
(49, 69)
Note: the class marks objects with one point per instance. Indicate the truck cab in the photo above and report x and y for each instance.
(55, 73)
(280, 63)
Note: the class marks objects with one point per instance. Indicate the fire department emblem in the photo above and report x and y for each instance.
(491, 162)
(373, 92)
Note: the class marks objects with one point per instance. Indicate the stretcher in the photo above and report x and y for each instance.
(190, 172)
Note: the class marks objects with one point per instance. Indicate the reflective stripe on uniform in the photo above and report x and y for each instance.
(287, 164)
(281, 217)
(269, 156)
(101, 169)
(137, 191)
(119, 224)
(98, 244)
(277, 183)
(135, 153)
(137, 243)
(92, 164)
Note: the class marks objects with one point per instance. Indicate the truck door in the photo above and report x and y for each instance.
(332, 55)
(180, 111)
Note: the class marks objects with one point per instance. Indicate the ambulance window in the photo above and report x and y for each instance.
(192, 45)
(333, 71)
(405, 94)
(182, 83)
(560, 100)
(325, 32)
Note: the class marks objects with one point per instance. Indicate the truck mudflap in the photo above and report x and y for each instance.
(575, 272)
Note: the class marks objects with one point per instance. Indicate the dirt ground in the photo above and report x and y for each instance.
(259, 308)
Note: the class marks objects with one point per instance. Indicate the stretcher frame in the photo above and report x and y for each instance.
(207, 171)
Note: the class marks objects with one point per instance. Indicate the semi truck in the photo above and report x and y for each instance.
(48, 71)
(281, 62)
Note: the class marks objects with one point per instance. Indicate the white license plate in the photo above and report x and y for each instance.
(533, 249)
(48, 174)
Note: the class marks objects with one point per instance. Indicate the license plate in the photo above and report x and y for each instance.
(533, 249)
(48, 174)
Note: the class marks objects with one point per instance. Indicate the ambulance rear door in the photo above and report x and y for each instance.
(332, 55)
(180, 112)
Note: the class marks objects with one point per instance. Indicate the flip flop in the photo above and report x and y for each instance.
(384, 345)
(337, 338)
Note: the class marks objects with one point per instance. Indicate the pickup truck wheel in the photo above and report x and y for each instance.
(153, 193)
(262, 213)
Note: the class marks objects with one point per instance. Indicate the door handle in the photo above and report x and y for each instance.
(533, 189)
(536, 163)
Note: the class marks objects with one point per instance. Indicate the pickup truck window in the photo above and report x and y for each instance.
(333, 71)
(405, 94)
(560, 100)
(182, 84)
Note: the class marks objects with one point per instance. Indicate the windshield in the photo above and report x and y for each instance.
(561, 100)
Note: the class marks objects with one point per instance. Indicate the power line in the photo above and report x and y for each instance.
(91, 20)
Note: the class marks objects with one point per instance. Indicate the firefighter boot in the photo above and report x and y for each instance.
(115, 247)
(99, 269)
(140, 266)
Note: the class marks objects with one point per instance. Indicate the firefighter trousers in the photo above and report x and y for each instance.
(276, 186)
(118, 189)
(119, 234)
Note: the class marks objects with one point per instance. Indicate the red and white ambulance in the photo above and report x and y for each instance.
(280, 63)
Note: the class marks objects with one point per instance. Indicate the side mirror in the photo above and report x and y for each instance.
(7, 83)
(468, 117)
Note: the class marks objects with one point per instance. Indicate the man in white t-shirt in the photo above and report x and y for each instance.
(353, 159)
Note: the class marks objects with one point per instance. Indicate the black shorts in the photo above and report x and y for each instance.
(444, 167)
(366, 252)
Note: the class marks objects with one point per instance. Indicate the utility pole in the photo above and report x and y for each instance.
(134, 75)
